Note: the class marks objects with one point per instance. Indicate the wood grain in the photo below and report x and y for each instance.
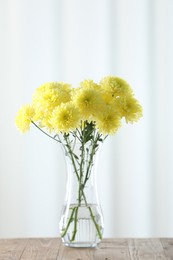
(41, 249)
(109, 249)
(146, 249)
(168, 247)
(12, 248)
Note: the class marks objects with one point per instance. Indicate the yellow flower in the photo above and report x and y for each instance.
(116, 87)
(24, 117)
(88, 101)
(109, 121)
(58, 107)
(65, 118)
(107, 97)
(129, 108)
(48, 96)
(90, 84)
(45, 122)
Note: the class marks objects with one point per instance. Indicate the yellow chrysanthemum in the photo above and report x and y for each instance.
(107, 97)
(65, 118)
(90, 84)
(116, 87)
(45, 122)
(88, 101)
(48, 96)
(109, 121)
(129, 108)
(24, 117)
(58, 107)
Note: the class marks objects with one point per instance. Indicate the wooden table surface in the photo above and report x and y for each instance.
(109, 249)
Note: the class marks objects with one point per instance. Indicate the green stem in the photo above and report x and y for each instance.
(91, 158)
(45, 132)
(71, 155)
(96, 225)
(83, 135)
(68, 224)
(75, 224)
(81, 166)
(92, 216)
(80, 188)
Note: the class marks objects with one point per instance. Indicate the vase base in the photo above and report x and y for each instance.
(83, 231)
(81, 244)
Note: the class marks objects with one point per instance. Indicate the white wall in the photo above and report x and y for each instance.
(70, 41)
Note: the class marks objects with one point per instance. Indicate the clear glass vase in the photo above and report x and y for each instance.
(81, 222)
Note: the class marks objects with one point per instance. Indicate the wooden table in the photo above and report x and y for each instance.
(109, 249)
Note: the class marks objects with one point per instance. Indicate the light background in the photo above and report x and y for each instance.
(72, 40)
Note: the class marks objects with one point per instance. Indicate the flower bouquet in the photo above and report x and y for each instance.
(80, 119)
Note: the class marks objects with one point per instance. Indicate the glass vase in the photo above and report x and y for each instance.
(81, 222)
